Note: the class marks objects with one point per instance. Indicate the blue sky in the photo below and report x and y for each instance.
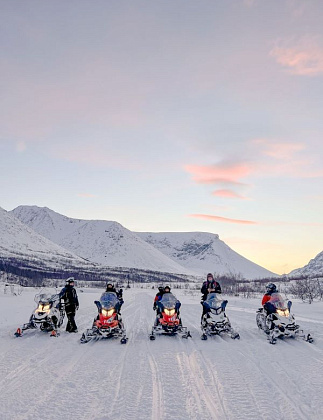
(169, 116)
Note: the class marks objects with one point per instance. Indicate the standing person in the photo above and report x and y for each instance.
(69, 296)
(270, 289)
(208, 285)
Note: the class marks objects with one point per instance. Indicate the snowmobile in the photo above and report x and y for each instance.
(215, 321)
(276, 320)
(108, 323)
(168, 320)
(48, 316)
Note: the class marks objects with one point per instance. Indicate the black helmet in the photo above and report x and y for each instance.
(271, 288)
(69, 281)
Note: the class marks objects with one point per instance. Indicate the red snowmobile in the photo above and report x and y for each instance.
(168, 320)
(108, 323)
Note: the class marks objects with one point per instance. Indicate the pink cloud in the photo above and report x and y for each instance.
(289, 159)
(85, 195)
(249, 3)
(221, 173)
(279, 150)
(227, 194)
(303, 57)
(222, 219)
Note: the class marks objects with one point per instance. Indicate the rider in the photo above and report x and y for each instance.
(209, 285)
(69, 295)
(110, 288)
(158, 296)
(270, 289)
(159, 306)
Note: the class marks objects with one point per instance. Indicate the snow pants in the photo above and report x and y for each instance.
(70, 313)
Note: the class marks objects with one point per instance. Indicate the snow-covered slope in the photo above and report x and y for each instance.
(19, 241)
(312, 269)
(166, 379)
(109, 243)
(104, 242)
(203, 253)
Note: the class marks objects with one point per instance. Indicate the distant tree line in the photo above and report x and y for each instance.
(36, 273)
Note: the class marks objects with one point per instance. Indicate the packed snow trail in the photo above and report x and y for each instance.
(170, 377)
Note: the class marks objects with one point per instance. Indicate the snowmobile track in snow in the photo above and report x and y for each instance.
(167, 378)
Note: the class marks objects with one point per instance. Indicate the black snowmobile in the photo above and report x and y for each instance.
(215, 321)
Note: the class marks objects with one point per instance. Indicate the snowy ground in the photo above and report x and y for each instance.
(221, 378)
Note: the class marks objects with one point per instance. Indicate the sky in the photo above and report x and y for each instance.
(169, 115)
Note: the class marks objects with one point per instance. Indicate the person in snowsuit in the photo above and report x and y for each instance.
(158, 296)
(158, 305)
(210, 284)
(69, 296)
(112, 289)
(269, 307)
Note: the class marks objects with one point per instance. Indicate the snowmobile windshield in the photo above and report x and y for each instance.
(168, 300)
(46, 296)
(213, 301)
(277, 301)
(108, 300)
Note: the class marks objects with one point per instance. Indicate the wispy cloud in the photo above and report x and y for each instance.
(303, 57)
(277, 158)
(223, 219)
(227, 194)
(86, 195)
(220, 173)
(279, 150)
(249, 3)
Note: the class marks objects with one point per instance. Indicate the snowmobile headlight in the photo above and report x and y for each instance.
(43, 308)
(108, 313)
(169, 312)
(283, 312)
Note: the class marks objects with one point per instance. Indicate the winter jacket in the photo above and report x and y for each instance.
(158, 296)
(267, 297)
(213, 284)
(69, 295)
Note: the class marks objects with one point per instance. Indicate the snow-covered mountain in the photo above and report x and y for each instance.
(104, 242)
(312, 269)
(21, 242)
(204, 252)
(109, 243)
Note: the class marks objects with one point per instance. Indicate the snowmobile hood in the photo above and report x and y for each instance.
(108, 300)
(277, 301)
(168, 300)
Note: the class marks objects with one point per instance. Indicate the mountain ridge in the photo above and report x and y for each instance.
(109, 243)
